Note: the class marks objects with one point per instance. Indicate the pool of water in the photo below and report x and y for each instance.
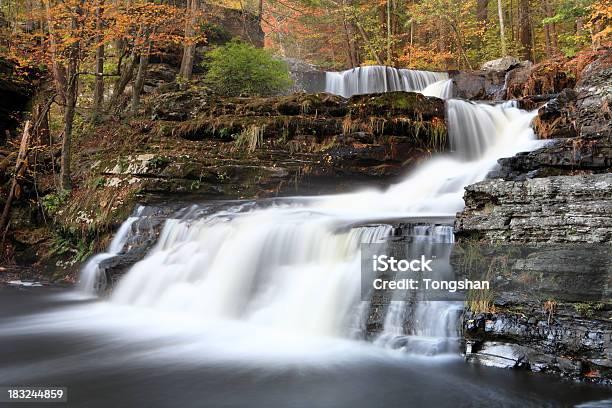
(123, 356)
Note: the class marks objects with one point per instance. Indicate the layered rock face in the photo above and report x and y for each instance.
(557, 195)
(199, 147)
(373, 135)
(550, 209)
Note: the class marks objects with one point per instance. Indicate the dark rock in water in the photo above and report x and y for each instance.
(478, 85)
(552, 315)
(145, 233)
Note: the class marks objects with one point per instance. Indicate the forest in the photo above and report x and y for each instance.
(92, 50)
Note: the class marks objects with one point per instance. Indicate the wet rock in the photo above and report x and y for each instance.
(566, 346)
(470, 85)
(497, 354)
(560, 157)
(306, 77)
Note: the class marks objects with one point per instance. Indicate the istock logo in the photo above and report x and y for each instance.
(384, 263)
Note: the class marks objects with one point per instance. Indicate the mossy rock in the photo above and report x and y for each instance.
(397, 104)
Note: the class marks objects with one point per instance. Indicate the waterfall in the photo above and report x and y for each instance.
(378, 78)
(441, 89)
(294, 265)
(90, 281)
(484, 123)
(433, 325)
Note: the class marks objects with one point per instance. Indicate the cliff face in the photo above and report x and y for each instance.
(559, 194)
(549, 209)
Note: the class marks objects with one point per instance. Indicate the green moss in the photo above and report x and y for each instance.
(588, 309)
(159, 162)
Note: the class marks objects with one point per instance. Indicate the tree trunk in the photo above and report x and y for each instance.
(190, 43)
(59, 71)
(482, 12)
(389, 33)
(124, 79)
(502, 29)
(367, 43)
(71, 99)
(525, 29)
(42, 136)
(98, 98)
(140, 78)
(19, 171)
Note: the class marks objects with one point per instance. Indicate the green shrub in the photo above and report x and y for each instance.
(241, 69)
(51, 203)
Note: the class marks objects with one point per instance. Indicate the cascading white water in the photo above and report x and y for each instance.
(432, 325)
(484, 122)
(441, 89)
(378, 78)
(295, 267)
(90, 279)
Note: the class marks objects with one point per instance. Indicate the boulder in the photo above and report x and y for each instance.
(159, 75)
(178, 105)
(478, 85)
(500, 64)
(516, 79)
